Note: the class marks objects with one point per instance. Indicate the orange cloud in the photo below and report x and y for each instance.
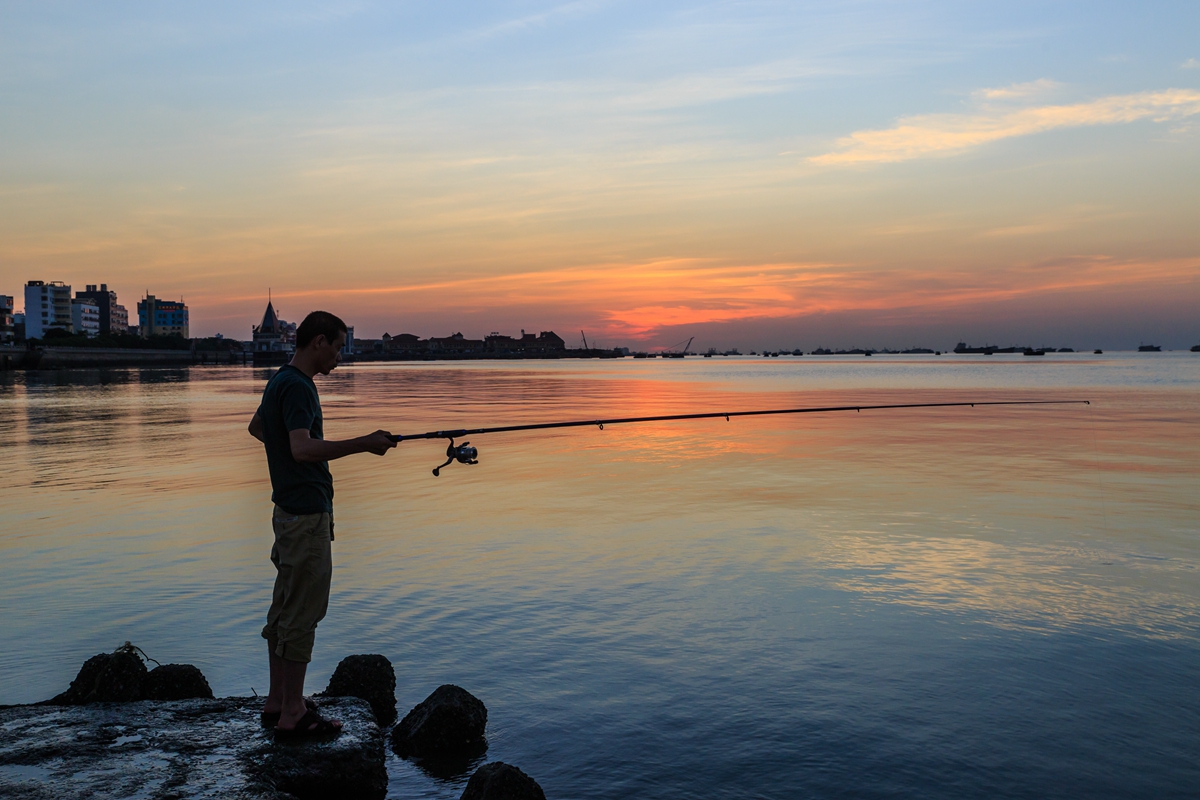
(944, 134)
(635, 301)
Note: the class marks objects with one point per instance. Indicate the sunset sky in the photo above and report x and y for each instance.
(753, 174)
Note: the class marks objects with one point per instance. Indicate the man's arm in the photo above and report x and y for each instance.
(306, 449)
(256, 428)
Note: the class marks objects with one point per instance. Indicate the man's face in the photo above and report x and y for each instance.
(329, 354)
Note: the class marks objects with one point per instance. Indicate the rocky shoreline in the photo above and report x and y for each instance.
(121, 730)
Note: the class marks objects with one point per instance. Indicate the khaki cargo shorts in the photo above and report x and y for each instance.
(304, 565)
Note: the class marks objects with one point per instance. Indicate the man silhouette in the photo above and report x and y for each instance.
(289, 424)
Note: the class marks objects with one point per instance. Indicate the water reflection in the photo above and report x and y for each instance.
(622, 597)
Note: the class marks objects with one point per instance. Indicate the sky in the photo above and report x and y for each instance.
(751, 174)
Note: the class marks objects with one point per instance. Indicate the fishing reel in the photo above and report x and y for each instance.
(463, 454)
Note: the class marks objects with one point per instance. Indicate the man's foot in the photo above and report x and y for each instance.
(311, 724)
(270, 719)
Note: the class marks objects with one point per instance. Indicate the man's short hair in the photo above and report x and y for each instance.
(316, 324)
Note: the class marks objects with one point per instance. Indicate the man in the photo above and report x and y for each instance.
(289, 423)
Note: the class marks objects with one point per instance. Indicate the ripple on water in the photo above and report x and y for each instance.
(993, 602)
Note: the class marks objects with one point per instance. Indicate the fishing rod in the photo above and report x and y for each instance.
(466, 454)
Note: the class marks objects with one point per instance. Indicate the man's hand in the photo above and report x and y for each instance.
(378, 442)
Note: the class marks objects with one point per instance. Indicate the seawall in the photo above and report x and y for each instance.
(88, 357)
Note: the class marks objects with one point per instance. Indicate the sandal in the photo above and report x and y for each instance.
(270, 719)
(311, 724)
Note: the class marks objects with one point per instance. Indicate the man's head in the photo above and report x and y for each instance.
(320, 339)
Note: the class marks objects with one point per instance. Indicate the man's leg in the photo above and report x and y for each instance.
(301, 596)
(275, 696)
(291, 689)
(274, 703)
(278, 596)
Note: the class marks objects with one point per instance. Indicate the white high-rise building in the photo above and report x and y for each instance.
(85, 316)
(47, 305)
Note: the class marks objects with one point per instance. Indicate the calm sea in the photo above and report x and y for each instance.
(924, 603)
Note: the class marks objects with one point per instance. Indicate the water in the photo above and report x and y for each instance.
(1000, 602)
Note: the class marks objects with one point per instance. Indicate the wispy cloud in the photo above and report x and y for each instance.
(945, 134)
(1020, 90)
(1191, 63)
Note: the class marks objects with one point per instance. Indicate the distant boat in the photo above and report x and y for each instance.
(1029, 351)
(986, 350)
(1149, 348)
(1196, 348)
(1098, 352)
(1065, 350)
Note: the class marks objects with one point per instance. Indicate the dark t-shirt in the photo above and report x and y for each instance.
(289, 403)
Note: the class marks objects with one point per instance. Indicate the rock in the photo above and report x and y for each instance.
(371, 678)
(186, 750)
(121, 677)
(84, 683)
(348, 766)
(117, 677)
(500, 781)
(176, 682)
(447, 724)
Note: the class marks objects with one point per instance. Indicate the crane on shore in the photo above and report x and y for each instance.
(671, 354)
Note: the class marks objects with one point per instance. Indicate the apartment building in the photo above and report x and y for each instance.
(85, 317)
(47, 306)
(114, 318)
(162, 317)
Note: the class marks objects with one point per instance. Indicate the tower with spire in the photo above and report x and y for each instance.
(274, 338)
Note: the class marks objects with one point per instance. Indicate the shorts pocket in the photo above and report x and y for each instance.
(283, 519)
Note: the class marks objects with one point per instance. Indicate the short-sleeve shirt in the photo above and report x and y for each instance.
(290, 403)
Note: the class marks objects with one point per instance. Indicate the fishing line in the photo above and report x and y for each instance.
(466, 454)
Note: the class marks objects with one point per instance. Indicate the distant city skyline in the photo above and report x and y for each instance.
(769, 175)
(1032, 324)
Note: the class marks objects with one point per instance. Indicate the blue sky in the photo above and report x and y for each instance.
(748, 172)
